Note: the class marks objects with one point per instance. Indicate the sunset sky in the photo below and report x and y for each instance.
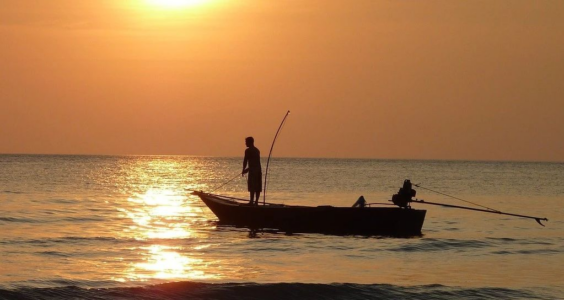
(476, 80)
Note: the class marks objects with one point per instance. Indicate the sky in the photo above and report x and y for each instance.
(452, 80)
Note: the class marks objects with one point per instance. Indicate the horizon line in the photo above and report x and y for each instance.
(293, 157)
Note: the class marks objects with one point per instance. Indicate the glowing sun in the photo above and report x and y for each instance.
(174, 3)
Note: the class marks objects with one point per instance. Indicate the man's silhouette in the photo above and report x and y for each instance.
(252, 157)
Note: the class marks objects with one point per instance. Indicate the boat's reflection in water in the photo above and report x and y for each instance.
(163, 219)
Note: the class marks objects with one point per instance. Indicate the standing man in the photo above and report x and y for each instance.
(252, 157)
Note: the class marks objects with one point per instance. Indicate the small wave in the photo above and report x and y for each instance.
(441, 245)
(78, 240)
(84, 219)
(54, 253)
(18, 220)
(112, 240)
(12, 192)
(527, 252)
(64, 201)
(528, 241)
(53, 220)
(194, 290)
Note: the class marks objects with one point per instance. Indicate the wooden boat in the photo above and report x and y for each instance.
(360, 220)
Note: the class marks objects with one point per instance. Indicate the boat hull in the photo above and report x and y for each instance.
(321, 219)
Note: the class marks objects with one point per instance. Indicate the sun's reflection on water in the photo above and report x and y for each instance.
(160, 214)
(164, 262)
(168, 223)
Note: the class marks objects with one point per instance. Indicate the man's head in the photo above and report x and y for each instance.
(250, 141)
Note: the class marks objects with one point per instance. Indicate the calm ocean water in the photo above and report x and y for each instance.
(115, 227)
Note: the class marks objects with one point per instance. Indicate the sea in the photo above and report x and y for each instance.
(128, 227)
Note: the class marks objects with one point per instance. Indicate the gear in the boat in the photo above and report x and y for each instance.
(361, 202)
(404, 195)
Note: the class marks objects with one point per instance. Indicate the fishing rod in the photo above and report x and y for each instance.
(217, 188)
(269, 154)
(419, 186)
(482, 210)
(487, 209)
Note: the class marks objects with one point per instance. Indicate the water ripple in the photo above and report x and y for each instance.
(427, 245)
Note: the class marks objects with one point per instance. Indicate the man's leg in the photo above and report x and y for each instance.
(258, 197)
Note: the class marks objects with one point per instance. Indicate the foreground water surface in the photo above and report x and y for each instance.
(127, 226)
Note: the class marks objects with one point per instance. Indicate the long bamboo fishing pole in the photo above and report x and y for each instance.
(269, 155)
(419, 186)
(482, 210)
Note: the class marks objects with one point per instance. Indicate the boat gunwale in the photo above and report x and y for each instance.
(232, 201)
